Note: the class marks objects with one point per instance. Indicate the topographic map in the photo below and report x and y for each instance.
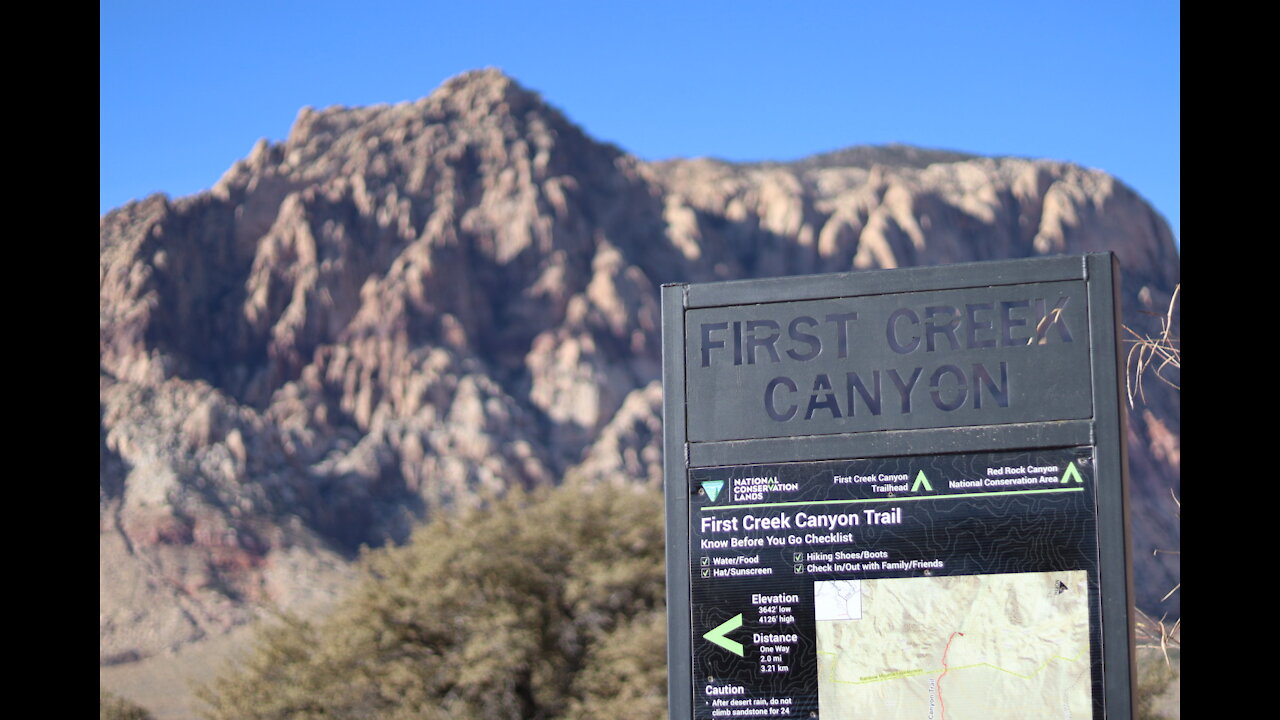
(970, 647)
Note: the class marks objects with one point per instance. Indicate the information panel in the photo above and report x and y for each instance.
(898, 494)
(950, 586)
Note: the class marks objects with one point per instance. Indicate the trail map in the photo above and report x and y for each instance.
(971, 647)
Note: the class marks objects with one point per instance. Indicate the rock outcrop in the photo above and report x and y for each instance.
(404, 309)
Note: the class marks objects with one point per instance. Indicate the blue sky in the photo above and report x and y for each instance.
(187, 88)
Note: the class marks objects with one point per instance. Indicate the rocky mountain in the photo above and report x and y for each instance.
(404, 309)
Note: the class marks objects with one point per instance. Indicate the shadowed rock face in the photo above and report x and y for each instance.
(405, 309)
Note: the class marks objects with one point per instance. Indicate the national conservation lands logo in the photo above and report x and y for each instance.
(749, 489)
(712, 488)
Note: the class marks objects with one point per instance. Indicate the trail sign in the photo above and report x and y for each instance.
(898, 493)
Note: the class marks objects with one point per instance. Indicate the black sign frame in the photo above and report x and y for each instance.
(1099, 374)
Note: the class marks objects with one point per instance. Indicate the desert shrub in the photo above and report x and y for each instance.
(544, 605)
(1159, 686)
(114, 707)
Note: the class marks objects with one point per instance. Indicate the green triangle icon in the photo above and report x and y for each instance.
(1072, 474)
(713, 488)
(921, 480)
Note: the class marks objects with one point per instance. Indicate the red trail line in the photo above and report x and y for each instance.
(942, 707)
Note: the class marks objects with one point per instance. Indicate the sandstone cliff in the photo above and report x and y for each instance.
(404, 309)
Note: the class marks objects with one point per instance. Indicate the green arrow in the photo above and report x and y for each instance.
(921, 480)
(713, 488)
(1072, 474)
(717, 635)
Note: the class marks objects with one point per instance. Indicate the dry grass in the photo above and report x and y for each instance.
(1154, 355)
(1158, 634)
(1161, 356)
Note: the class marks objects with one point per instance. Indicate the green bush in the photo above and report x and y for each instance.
(545, 605)
(114, 707)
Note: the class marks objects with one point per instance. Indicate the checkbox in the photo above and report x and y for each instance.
(798, 557)
(706, 572)
(799, 569)
(706, 561)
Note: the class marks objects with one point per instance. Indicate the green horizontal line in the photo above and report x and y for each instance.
(894, 499)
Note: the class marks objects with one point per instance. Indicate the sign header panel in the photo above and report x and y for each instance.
(977, 356)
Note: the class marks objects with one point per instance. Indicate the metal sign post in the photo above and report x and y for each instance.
(899, 493)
